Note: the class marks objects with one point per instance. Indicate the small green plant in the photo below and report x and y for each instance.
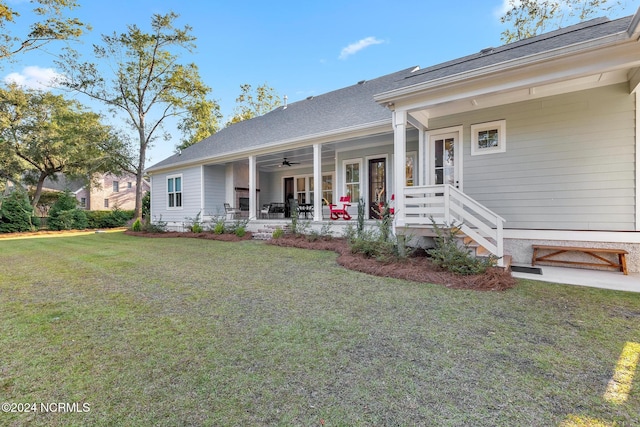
(194, 224)
(326, 230)
(218, 226)
(277, 233)
(241, 231)
(137, 225)
(157, 226)
(453, 256)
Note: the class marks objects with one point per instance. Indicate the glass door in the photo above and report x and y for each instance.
(377, 186)
(444, 165)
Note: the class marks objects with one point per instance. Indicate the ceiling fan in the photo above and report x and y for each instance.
(286, 162)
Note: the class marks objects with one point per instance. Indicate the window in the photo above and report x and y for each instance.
(116, 186)
(490, 137)
(83, 202)
(174, 191)
(352, 179)
(301, 190)
(106, 203)
(129, 184)
(327, 188)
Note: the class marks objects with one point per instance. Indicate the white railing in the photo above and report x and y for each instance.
(449, 206)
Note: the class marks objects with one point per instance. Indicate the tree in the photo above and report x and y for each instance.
(254, 104)
(42, 135)
(148, 84)
(53, 26)
(65, 215)
(15, 213)
(532, 17)
(201, 122)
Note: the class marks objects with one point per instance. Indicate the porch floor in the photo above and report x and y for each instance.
(613, 280)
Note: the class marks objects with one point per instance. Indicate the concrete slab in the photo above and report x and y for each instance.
(613, 280)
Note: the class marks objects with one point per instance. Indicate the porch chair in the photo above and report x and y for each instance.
(232, 213)
(337, 212)
(264, 212)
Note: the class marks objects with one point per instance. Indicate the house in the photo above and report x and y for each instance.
(533, 142)
(109, 191)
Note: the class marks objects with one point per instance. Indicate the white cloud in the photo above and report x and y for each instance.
(505, 7)
(358, 46)
(34, 77)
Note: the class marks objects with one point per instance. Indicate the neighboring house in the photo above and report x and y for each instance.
(112, 191)
(532, 142)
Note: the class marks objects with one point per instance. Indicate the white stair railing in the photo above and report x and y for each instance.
(447, 206)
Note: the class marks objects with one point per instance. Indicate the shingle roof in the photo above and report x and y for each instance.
(355, 105)
(344, 108)
(564, 37)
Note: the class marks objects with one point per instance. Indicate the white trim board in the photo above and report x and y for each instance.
(575, 236)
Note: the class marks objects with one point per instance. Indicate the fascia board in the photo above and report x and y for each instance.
(318, 138)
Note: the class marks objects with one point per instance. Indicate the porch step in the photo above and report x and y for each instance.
(266, 232)
(481, 252)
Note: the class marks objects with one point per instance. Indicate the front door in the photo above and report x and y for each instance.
(377, 186)
(444, 163)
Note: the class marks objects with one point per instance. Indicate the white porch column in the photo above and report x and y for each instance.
(400, 160)
(253, 203)
(317, 182)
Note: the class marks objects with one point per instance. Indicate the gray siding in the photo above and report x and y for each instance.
(190, 195)
(214, 190)
(569, 161)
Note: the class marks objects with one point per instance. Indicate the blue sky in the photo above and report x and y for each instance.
(300, 48)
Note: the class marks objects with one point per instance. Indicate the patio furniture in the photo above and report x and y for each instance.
(264, 212)
(305, 209)
(232, 213)
(337, 212)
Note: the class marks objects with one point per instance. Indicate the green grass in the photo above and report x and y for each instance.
(194, 332)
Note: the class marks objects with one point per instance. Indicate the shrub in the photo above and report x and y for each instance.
(159, 226)
(137, 225)
(218, 227)
(108, 219)
(450, 255)
(146, 204)
(194, 224)
(241, 231)
(64, 214)
(277, 233)
(15, 213)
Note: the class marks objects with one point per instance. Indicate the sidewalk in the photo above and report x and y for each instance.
(613, 280)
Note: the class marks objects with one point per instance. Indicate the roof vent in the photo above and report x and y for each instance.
(361, 82)
(486, 50)
(285, 102)
(309, 98)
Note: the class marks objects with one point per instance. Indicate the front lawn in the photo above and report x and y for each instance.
(196, 332)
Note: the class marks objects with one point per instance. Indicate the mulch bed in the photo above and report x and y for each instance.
(418, 268)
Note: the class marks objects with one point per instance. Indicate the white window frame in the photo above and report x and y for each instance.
(174, 191)
(500, 126)
(309, 189)
(359, 162)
